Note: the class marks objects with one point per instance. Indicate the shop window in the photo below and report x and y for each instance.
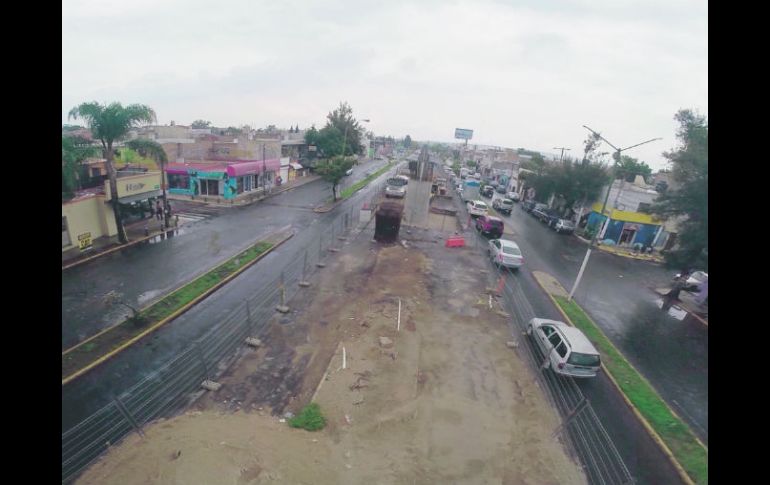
(65, 233)
(209, 187)
(178, 181)
(239, 185)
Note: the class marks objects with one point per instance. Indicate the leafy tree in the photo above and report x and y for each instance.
(470, 163)
(108, 124)
(333, 170)
(571, 180)
(629, 168)
(341, 119)
(152, 149)
(407, 141)
(74, 150)
(536, 164)
(198, 124)
(689, 168)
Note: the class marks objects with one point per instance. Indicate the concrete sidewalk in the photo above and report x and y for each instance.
(150, 227)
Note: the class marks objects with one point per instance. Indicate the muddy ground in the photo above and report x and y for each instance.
(440, 399)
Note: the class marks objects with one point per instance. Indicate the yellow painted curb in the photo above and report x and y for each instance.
(647, 426)
(178, 312)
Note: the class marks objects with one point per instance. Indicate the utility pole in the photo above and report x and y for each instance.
(264, 168)
(562, 152)
(604, 206)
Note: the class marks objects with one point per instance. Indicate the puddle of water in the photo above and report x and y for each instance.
(147, 296)
(166, 235)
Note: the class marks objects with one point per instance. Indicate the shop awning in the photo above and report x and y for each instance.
(137, 197)
(296, 166)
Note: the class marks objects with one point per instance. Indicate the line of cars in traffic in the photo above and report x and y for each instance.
(567, 350)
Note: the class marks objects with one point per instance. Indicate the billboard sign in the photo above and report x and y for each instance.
(463, 134)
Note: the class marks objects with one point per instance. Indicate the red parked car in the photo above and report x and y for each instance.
(490, 226)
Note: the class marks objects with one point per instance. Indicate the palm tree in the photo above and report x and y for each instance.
(109, 124)
(152, 149)
(73, 151)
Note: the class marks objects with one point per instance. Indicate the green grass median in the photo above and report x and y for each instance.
(362, 183)
(690, 454)
(84, 355)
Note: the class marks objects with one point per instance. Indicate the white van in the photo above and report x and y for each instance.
(568, 351)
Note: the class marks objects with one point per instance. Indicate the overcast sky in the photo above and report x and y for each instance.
(519, 73)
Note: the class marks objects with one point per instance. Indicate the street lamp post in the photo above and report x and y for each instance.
(264, 169)
(562, 152)
(604, 207)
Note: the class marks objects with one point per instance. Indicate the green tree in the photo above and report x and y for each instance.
(152, 149)
(536, 164)
(407, 141)
(630, 167)
(108, 124)
(470, 163)
(333, 170)
(690, 169)
(198, 124)
(342, 120)
(74, 150)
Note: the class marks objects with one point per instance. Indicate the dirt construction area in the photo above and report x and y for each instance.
(437, 397)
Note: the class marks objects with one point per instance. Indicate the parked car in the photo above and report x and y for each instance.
(551, 216)
(477, 208)
(490, 226)
(528, 205)
(564, 225)
(506, 253)
(568, 352)
(503, 205)
(493, 183)
(539, 213)
(487, 191)
(514, 196)
(694, 281)
(349, 172)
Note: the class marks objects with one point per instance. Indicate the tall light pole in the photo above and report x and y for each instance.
(264, 168)
(604, 206)
(562, 152)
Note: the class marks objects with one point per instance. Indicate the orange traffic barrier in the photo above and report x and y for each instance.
(455, 241)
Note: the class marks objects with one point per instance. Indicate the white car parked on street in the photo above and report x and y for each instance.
(567, 350)
(477, 208)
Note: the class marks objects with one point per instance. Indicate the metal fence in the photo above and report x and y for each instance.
(585, 435)
(177, 383)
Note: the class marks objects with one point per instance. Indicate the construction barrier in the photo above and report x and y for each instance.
(455, 242)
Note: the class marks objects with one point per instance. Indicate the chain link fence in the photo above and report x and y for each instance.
(581, 428)
(178, 383)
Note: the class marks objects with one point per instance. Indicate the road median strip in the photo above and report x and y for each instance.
(92, 352)
(346, 193)
(687, 452)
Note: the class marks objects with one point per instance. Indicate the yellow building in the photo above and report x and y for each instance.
(88, 218)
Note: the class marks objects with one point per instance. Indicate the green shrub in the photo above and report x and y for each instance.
(309, 418)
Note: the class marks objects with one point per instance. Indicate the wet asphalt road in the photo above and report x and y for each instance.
(616, 292)
(143, 273)
(95, 389)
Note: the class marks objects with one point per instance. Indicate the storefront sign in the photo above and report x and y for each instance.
(84, 241)
(135, 187)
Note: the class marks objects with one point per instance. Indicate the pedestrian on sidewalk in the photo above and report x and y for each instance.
(158, 210)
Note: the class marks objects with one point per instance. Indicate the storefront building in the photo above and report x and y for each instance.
(226, 179)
